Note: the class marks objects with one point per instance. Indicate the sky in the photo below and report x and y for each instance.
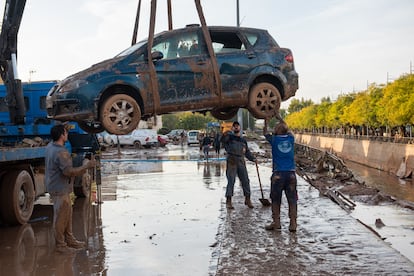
(339, 46)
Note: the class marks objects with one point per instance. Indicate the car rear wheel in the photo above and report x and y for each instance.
(224, 113)
(120, 114)
(264, 100)
(91, 127)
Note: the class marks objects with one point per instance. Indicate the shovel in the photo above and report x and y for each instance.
(263, 200)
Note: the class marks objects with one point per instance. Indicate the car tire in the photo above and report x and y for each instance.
(120, 114)
(137, 145)
(91, 127)
(224, 113)
(264, 100)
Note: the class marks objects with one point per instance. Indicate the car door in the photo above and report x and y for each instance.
(236, 60)
(185, 74)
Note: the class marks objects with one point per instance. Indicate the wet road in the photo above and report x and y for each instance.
(168, 218)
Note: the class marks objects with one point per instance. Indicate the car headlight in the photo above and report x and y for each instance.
(72, 85)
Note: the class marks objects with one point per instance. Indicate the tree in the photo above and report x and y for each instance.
(398, 102)
(297, 105)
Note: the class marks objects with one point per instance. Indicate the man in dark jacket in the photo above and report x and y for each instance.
(237, 149)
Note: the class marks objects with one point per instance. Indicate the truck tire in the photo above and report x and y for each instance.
(17, 197)
(83, 184)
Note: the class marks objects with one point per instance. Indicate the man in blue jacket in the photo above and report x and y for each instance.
(237, 149)
(284, 176)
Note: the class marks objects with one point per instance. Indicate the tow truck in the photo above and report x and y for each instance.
(25, 132)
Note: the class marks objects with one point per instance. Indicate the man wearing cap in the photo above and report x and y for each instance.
(237, 149)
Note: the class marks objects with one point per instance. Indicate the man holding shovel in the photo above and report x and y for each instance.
(284, 176)
(237, 149)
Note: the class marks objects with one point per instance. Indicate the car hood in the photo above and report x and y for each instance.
(98, 68)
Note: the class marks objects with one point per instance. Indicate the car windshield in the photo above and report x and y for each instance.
(131, 49)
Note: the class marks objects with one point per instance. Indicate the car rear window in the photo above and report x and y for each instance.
(224, 42)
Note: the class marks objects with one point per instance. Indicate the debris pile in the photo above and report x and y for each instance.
(329, 174)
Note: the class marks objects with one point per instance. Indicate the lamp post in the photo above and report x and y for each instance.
(239, 113)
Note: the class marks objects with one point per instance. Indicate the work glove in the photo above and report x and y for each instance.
(89, 164)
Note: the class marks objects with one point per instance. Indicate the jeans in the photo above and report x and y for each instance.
(236, 166)
(284, 181)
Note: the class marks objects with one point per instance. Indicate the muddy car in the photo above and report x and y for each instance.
(114, 95)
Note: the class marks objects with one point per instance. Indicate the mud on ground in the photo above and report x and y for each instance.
(330, 175)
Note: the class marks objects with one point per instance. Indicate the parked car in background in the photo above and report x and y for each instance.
(162, 140)
(247, 70)
(138, 138)
(175, 134)
(192, 137)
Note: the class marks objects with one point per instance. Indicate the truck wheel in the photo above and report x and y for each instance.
(17, 197)
(264, 100)
(83, 189)
(120, 114)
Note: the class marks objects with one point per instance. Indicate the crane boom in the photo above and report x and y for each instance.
(13, 12)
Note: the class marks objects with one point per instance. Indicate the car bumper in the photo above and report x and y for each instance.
(292, 85)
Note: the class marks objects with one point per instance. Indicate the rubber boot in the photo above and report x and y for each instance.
(228, 203)
(248, 202)
(293, 213)
(275, 225)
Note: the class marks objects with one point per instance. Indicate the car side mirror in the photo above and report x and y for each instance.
(157, 55)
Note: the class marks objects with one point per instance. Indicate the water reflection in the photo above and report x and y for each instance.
(383, 181)
(130, 166)
(211, 169)
(30, 249)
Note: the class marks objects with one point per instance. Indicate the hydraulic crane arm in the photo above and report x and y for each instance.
(13, 12)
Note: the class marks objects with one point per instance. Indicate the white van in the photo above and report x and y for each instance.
(192, 137)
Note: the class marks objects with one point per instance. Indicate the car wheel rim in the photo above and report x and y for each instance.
(120, 114)
(264, 101)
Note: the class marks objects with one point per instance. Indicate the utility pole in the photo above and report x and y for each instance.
(240, 112)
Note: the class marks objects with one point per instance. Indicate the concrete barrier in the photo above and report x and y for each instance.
(390, 157)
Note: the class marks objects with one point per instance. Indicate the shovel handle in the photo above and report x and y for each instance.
(260, 182)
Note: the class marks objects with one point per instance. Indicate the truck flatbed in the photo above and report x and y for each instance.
(15, 154)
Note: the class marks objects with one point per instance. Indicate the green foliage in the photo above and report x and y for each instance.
(297, 105)
(391, 105)
(186, 120)
(398, 102)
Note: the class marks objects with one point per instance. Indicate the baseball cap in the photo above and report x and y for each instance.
(236, 123)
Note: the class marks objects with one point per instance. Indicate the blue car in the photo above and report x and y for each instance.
(179, 73)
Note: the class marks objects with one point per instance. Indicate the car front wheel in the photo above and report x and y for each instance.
(264, 100)
(120, 114)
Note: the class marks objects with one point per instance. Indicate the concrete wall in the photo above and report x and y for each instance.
(385, 156)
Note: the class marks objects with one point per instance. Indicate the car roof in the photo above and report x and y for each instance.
(213, 28)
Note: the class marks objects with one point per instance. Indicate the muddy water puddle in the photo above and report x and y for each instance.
(157, 218)
(388, 183)
(163, 223)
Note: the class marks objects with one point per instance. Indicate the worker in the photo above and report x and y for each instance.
(284, 176)
(206, 146)
(237, 149)
(59, 172)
